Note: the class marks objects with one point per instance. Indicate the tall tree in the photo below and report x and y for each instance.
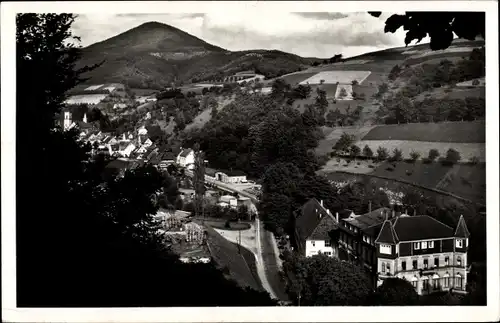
(199, 180)
(395, 292)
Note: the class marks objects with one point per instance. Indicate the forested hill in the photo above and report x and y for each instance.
(153, 55)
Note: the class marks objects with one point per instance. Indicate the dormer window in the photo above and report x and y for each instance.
(431, 244)
(328, 243)
(416, 245)
(424, 245)
(385, 249)
(459, 243)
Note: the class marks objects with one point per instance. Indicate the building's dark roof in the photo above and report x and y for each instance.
(326, 224)
(309, 218)
(168, 155)
(185, 152)
(344, 214)
(366, 220)
(231, 173)
(461, 230)
(387, 234)
(373, 231)
(420, 227)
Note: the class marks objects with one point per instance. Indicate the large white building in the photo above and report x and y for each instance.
(186, 158)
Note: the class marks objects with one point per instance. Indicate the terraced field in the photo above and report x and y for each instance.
(332, 77)
(459, 132)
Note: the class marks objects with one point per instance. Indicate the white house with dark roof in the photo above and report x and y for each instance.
(231, 176)
(186, 158)
(313, 226)
(424, 251)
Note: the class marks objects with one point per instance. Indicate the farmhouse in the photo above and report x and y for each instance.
(313, 224)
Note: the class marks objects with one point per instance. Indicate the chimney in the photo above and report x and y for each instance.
(321, 202)
(393, 213)
(328, 211)
(414, 212)
(406, 212)
(337, 216)
(370, 207)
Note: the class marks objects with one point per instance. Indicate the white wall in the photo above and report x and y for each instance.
(236, 179)
(313, 247)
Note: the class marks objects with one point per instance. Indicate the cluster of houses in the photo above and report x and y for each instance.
(183, 236)
(424, 251)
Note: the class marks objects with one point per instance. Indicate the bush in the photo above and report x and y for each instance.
(371, 166)
(452, 156)
(433, 154)
(354, 82)
(414, 155)
(475, 82)
(390, 169)
(426, 161)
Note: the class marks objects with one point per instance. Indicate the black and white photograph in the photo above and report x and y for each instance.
(253, 155)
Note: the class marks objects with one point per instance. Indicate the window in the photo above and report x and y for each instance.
(459, 243)
(383, 267)
(328, 253)
(385, 249)
(458, 281)
(459, 261)
(436, 262)
(425, 284)
(436, 282)
(415, 264)
(445, 281)
(424, 245)
(446, 261)
(416, 245)
(403, 265)
(388, 266)
(328, 243)
(426, 263)
(414, 283)
(431, 244)
(313, 243)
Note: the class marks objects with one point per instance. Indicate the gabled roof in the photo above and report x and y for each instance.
(321, 232)
(233, 173)
(309, 218)
(387, 234)
(421, 227)
(185, 152)
(168, 156)
(461, 231)
(368, 219)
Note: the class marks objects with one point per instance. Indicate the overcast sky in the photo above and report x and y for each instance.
(308, 34)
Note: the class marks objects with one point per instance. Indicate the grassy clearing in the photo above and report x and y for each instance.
(227, 256)
(466, 150)
(456, 132)
(332, 77)
(452, 93)
(325, 145)
(427, 175)
(296, 78)
(468, 181)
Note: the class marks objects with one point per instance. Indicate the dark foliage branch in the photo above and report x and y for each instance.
(439, 26)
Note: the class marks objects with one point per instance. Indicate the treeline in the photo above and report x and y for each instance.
(399, 108)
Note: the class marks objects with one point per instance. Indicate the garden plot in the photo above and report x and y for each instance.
(342, 77)
(466, 150)
(344, 92)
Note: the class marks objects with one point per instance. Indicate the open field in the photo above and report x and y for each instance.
(427, 175)
(344, 77)
(460, 132)
(143, 92)
(348, 92)
(455, 93)
(466, 150)
(468, 181)
(226, 255)
(295, 78)
(200, 120)
(354, 166)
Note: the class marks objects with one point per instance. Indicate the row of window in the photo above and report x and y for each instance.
(423, 245)
(445, 282)
(459, 243)
(386, 267)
